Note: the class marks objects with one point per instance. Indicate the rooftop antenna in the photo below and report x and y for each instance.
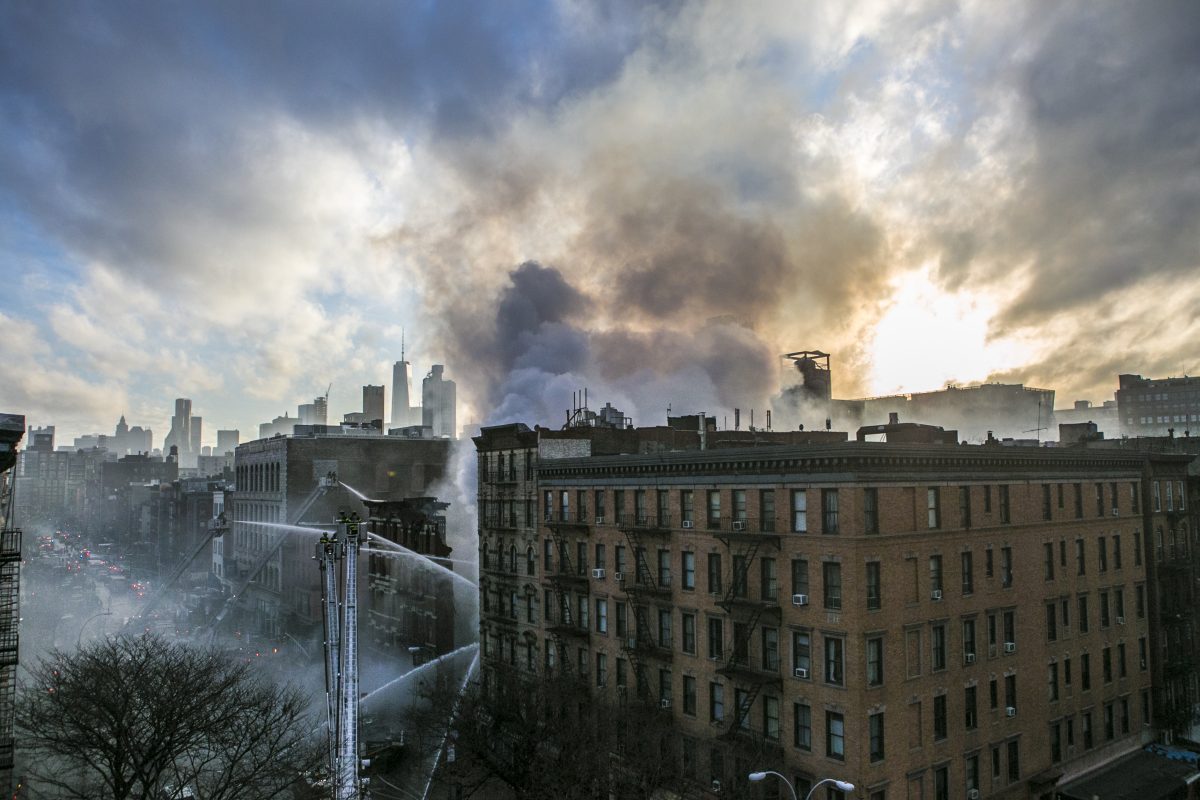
(402, 344)
(1038, 430)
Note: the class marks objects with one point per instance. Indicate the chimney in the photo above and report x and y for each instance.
(737, 419)
(703, 432)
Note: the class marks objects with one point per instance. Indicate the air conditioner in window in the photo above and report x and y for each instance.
(972, 794)
(739, 525)
(599, 519)
(969, 658)
(716, 786)
(1116, 512)
(1011, 711)
(1120, 620)
(598, 573)
(687, 525)
(799, 599)
(936, 594)
(620, 576)
(1010, 647)
(800, 672)
(665, 702)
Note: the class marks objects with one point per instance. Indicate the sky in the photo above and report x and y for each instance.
(245, 203)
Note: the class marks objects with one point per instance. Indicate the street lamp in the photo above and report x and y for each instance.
(79, 638)
(845, 786)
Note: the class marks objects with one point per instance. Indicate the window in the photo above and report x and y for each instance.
(935, 577)
(769, 581)
(601, 669)
(987, 499)
(686, 510)
(964, 505)
(619, 559)
(941, 783)
(740, 583)
(663, 507)
(1006, 566)
(1140, 600)
(938, 639)
(802, 726)
(1010, 628)
(716, 638)
(1078, 487)
(1005, 511)
(1046, 505)
(1119, 605)
(771, 717)
(870, 511)
(832, 585)
(714, 509)
(1052, 680)
(875, 735)
(939, 718)
(688, 570)
(1106, 664)
(993, 694)
(1099, 499)
(968, 639)
(1048, 559)
(1116, 509)
(742, 701)
(1080, 557)
(619, 505)
(664, 628)
(968, 573)
(716, 702)
(601, 616)
(1104, 617)
(1056, 743)
(1116, 550)
(1051, 622)
(933, 507)
(835, 672)
(766, 510)
(1086, 725)
(1122, 670)
(770, 649)
(621, 672)
(801, 653)
(875, 661)
(874, 593)
(1137, 548)
(1010, 691)
(1083, 614)
(1102, 544)
(799, 511)
(835, 736)
(1085, 672)
(1014, 761)
(688, 624)
(970, 715)
(1134, 497)
(622, 619)
(689, 695)
(829, 512)
(800, 576)
(714, 573)
(971, 771)
(1142, 653)
(988, 563)
(640, 515)
(548, 555)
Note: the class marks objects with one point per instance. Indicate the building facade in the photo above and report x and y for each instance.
(920, 620)
(1156, 406)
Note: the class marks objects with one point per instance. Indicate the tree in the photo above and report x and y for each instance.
(145, 718)
(548, 736)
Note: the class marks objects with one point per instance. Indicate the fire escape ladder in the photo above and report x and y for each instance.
(739, 584)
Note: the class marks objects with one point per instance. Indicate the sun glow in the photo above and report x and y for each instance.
(928, 337)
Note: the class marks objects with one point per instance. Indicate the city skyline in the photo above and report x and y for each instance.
(239, 206)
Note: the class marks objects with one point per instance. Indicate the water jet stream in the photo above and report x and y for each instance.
(412, 673)
(404, 551)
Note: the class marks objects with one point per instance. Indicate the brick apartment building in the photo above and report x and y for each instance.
(923, 620)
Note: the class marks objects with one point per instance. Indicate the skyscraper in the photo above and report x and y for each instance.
(194, 436)
(438, 399)
(180, 435)
(373, 403)
(402, 412)
(227, 441)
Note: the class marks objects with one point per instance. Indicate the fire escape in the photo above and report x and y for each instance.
(645, 588)
(744, 538)
(1176, 567)
(10, 595)
(565, 578)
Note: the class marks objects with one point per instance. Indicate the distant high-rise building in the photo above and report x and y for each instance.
(280, 425)
(227, 441)
(402, 411)
(180, 435)
(373, 403)
(194, 436)
(438, 399)
(1154, 406)
(321, 415)
(313, 413)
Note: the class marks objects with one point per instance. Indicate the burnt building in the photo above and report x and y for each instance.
(920, 618)
(411, 602)
(282, 480)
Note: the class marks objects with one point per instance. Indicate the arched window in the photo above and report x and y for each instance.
(512, 558)
(529, 561)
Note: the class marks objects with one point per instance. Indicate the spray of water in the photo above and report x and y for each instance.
(437, 755)
(355, 492)
(401, 550)
(413, 673)
(285, 527)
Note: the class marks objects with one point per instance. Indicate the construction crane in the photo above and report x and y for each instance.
(339, 610)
